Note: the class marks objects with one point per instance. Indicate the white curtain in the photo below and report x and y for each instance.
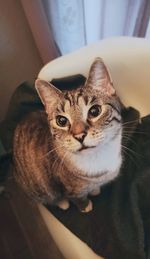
(148, 30)
(76, 23)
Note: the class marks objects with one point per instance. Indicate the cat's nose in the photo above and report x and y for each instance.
(79, 130)
(80, 137)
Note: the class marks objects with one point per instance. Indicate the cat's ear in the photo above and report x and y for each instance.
(99, 78)
(48, 94)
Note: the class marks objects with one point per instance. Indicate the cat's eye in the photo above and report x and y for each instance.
(94, 111)
(61, 121)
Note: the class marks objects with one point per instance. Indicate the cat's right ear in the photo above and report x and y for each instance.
(48, 94)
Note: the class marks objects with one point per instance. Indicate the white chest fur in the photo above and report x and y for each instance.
(104, 158)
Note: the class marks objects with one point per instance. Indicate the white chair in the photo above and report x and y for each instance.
(128, 60)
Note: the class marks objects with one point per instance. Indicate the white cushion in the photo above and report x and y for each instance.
(128, 60)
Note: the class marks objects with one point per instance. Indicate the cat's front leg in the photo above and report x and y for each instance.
(84, 204)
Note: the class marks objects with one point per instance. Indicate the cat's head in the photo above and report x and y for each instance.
(86, 117)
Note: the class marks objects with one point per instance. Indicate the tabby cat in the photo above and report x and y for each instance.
(68, 151)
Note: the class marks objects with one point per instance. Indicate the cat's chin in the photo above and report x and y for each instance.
(85, 148)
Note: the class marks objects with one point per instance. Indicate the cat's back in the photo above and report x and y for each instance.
(32, 141)
(30, 134)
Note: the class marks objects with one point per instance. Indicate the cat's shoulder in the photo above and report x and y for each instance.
(37, 119)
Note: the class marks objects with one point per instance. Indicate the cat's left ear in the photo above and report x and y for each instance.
(48, 94)
(99, 78)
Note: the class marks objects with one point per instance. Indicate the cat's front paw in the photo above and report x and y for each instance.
(95, 192)
(63, 204)
(88, 208)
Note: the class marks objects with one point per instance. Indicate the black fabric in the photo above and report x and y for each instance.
(119, 225)
(69, 83)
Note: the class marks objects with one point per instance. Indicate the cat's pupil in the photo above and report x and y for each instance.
(94, 111)
(61, 121)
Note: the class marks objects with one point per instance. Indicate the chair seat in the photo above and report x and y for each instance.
(128, 60)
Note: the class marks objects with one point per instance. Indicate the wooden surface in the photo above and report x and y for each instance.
(23, 233)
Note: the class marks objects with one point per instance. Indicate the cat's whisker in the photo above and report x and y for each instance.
(129, 130)
(128, 138)
(128, 122)
(55, 162)
(132, 151)
(128, 126)
(127, 134)
(62, 161)
(57, 158)
(130, 156)
(63, 158)
(51, 151)
(137, 132)
(53, 167)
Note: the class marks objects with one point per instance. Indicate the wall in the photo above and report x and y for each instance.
(19, 58)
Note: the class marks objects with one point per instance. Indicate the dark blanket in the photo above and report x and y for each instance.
(119, 225)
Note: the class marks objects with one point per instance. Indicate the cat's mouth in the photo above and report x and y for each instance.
(85, 147)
